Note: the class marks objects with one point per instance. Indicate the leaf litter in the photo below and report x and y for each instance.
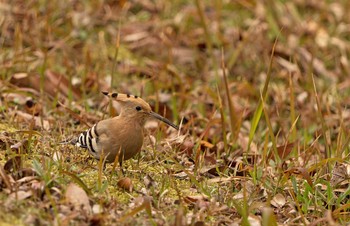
(293, 171)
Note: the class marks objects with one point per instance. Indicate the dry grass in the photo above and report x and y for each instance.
(261, 88)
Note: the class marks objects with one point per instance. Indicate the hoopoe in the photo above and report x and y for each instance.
(121, 136)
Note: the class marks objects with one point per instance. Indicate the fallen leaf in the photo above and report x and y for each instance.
(339, 174)
(18, 196)
(199, 223)
(195, 198)
(304, 173)
(149, 181)
(125, 183)
(146, 205)
(220, 180)
(38, 121)
(291, 67)
(254, 220)
(57, 156)
(16, 147)
(322, 38)
(278, 200)
(24, 172)
(318, 65)
(33, 107)
(283, 151)
(180, 175)
(187, 147)
(54, 83)
(13, 164)
(5, 178)
(5, 140)
(97, 209)
(206, 144)
(78, 197)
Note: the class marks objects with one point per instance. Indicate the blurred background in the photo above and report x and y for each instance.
(246, 78)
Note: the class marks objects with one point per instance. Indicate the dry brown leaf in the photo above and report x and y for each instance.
(78, 197)
(16, 147)
(199, 201)
(136, 36)
(5, 140)
(291, 67)
(254, 220)
(149, 181)
(16, 96)
(283, 151)
(187, 147)
(183, 55)
(23, 173)
(13, 164)
(146, 205)
(195, 198)
(220, 180)
(97, 220)
(125, 183)
(33, 107)
(339, 174)
(278, 200)
(38, 121)
(57, 82)
(243, 142)
(5, 178)
(322, 38)
(304, 173)
(327, 219)
(180, 175)
(54, 83)
(214, 171)
(97, 209)
(20, 195)
(199, 223)
(206, 144)
(37, 185)
(318, 65)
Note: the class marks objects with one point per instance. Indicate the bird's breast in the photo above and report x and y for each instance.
(124, 145)
(132, 147)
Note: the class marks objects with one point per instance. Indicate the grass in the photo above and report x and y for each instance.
(260, 89)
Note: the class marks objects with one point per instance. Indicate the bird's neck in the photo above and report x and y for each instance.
(132, 120)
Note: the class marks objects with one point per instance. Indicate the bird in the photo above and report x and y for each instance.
(119, 138)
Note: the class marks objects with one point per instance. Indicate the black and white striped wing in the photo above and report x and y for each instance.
(89, 139)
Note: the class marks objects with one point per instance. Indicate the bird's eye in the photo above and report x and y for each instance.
(138, 108)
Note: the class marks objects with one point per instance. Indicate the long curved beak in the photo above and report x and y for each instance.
(165, 120)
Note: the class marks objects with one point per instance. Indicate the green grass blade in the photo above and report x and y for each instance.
(258, 111)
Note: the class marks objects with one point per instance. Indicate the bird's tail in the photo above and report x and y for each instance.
(69, 141)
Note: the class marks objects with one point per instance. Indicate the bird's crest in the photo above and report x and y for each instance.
(141, 106)
(126, 98)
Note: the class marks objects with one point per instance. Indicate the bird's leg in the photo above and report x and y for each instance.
(118, 159)
(102, 164)
(121, 168)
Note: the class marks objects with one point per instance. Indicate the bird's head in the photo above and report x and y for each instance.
(137, 108)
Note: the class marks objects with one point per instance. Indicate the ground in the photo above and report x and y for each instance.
(260, 90)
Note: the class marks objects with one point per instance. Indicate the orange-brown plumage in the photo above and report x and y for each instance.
(122, 136)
